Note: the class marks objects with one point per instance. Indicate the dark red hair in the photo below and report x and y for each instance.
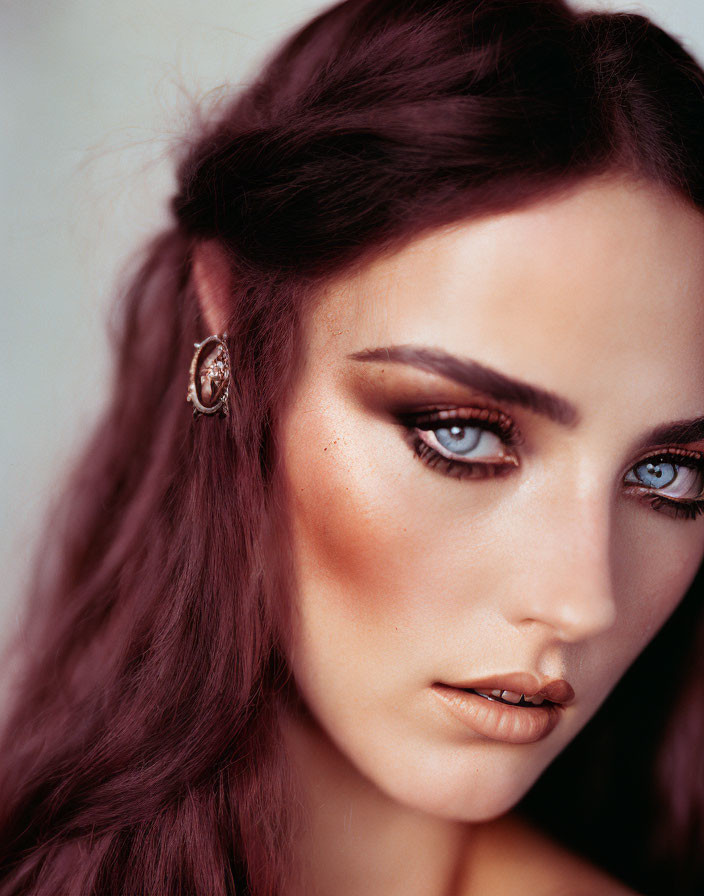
(144, 752)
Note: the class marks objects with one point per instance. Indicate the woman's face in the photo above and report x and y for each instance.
(489, 507)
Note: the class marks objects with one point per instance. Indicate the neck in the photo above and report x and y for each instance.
(356, 840)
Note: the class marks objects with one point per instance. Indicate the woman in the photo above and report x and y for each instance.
(442, 264)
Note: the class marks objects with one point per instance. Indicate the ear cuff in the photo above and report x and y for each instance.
(209, 381)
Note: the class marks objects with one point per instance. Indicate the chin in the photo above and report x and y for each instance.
(473, 783)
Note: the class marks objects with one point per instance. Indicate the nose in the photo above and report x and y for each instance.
(567, 566)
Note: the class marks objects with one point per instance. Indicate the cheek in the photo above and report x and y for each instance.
(656, 577)
(658, 562)
(359, 543)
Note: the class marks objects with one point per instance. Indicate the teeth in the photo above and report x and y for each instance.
(511, 696)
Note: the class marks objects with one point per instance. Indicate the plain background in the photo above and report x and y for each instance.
(94, 96)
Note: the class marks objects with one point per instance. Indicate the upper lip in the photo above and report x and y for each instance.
(556, 690)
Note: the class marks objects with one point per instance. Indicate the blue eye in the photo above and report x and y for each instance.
(485, 437)
(673, 475)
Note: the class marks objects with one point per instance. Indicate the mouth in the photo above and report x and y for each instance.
(497, 712)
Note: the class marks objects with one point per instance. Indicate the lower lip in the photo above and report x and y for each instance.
(499, 721)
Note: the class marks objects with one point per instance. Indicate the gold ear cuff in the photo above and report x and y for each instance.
(209, 382)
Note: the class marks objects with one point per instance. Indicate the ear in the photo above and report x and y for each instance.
(212, 278)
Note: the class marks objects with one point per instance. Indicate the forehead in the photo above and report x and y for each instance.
(602, 284)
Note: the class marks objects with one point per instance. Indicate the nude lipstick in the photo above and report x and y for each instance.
(513, 708)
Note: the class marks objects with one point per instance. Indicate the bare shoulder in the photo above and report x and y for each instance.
(508, 857)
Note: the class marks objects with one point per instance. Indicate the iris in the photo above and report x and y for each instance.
(459, 439)
(656, 475)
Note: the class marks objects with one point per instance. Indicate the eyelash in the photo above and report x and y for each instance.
(502, 425)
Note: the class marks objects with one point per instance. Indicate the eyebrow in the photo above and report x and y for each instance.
(474, 375)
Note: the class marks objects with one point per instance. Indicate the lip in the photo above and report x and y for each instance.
(500, 721)
(557, 690)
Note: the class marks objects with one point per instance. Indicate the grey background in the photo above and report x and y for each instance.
(93, 96)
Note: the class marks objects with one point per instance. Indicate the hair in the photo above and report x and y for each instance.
(144, 751)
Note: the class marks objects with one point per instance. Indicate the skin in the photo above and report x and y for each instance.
(406, 576)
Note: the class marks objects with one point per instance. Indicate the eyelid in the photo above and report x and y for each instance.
(663, 452)
(479, 417)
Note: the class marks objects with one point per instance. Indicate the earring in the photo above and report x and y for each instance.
(209, 382)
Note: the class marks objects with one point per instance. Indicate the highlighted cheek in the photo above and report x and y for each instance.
(365, 541)
(347, 533)
(374, 535)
